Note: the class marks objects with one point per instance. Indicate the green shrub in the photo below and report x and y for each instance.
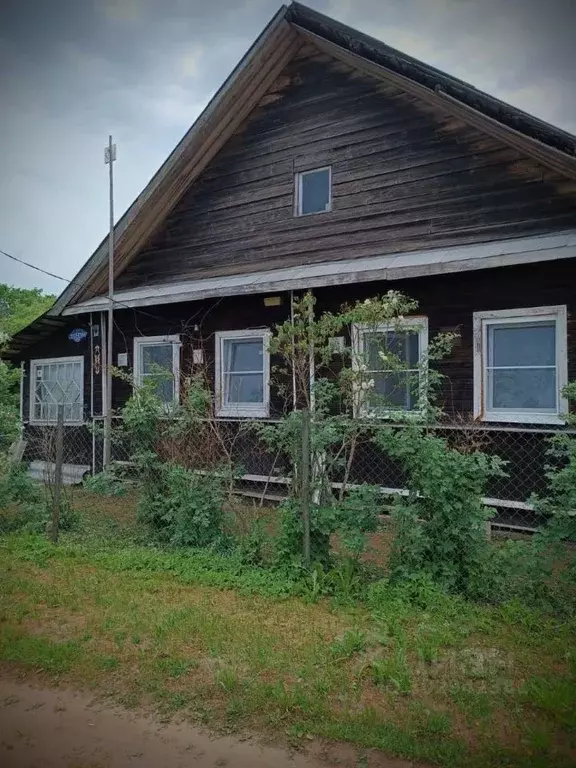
(21, 498)
(183, 508)
(288, 543)
(356, 516)
(252, 545)
(539, 573)
(9, 419)
(559, 504)
(105, 483)
(440, 525)
(352, 518)
(26, 508)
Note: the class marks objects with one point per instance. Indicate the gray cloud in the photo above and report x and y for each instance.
(71, 72)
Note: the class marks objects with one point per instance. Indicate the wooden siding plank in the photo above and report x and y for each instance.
(403, 178)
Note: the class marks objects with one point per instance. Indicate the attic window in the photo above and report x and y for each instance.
(313, 191)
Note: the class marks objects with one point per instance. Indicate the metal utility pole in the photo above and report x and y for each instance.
(109, 157)
(58, 459)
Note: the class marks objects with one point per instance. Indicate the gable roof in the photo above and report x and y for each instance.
(250, 80)
(434, 80)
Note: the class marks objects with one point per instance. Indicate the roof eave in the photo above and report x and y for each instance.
(392, 266)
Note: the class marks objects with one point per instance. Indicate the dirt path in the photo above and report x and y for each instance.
(63, 729)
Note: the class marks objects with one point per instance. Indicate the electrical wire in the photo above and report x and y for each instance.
(74, 282)
(135, 310)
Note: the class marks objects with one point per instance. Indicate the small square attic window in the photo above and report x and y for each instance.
(313, 191)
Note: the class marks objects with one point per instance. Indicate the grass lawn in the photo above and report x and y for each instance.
(196, 633)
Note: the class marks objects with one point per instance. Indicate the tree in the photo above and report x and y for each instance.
(20, 306)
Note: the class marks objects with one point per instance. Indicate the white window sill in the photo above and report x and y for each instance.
(242, 412)
(523, 418)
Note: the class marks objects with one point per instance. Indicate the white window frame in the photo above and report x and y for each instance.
(359, 329)
(242, 410)
(34, 365)
(144, 341)
(298, 190)
(482, 321)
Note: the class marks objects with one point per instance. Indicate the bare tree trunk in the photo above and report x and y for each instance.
(348, 466)
(267, 483)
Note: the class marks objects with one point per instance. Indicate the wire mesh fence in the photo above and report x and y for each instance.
(263, 474)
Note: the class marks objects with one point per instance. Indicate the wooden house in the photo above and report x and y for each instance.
(329, 161)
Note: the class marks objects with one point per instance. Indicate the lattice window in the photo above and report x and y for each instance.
(54, 382)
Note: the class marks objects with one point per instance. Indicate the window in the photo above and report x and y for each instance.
(313, 191)
(391, 390)
(520, 365)
(243, 373)
(157, 359)
(53, 382)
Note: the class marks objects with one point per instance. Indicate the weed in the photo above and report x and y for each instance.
(553, 696)
(108, 662)
(427, 651)
(228, 679)
(317, 583)
(392, 671)
(353, 641)
(474, 704)
(105, 483)
(38, 652)
(175, 667)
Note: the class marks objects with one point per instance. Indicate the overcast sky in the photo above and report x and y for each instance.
(73, 71)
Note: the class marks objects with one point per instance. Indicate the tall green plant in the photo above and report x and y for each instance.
(342, 398)
(559, 503)
(181, 505)
(9, 417)
(440, 523)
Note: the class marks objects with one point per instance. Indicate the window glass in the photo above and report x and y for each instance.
(243, 369)
(156, 356)
(402, 345)
(314, 191)
(523, 344)
(156, 368)
(522, 388)
(55, 384)
(395, 390)
(392, 388)
(521, 369)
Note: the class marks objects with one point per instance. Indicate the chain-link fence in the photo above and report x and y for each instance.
(264, 474)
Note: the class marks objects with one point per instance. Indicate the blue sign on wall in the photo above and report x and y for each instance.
(77, 335)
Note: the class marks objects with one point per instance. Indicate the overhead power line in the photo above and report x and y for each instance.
(38, 269)
(134, 310)
(73, 282)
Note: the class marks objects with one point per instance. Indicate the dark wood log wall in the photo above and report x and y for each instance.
(404, 177)
(59, 345)
(196, 323)
(449, 302)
